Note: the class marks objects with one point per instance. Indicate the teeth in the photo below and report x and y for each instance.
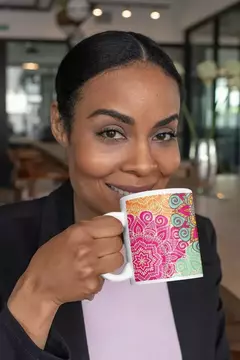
(120, 191)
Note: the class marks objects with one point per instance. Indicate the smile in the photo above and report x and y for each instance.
(128, 190)
(119, 191)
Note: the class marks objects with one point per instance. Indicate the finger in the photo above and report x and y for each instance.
(109, 263)
(78, 234)
(103, 227)
(107, 246)
(85, 264)
(85, 255)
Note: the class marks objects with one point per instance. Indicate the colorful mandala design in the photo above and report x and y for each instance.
(157, 204)
(163, 246)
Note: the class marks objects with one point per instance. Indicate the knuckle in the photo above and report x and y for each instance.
(87, 272)
(83, 251)
(75, 232)
(93, 285)
(78, 235)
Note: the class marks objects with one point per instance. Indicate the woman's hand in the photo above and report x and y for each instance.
(67, 268)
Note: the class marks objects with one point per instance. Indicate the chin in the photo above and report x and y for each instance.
(114, 207)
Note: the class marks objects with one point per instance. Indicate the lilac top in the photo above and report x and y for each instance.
(134, 322)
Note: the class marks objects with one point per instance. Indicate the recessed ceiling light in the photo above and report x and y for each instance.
(126, 14)
(30, 66)
(155, 15)
(97, 12)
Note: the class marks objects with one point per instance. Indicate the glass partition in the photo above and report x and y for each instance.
(202, 42)
(213, 84)
(30, 73)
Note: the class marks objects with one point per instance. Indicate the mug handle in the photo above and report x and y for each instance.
(127, 272)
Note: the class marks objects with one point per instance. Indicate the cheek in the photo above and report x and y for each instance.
(169, 160)
(90, 160)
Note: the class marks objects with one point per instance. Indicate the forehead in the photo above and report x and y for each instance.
(137, 89)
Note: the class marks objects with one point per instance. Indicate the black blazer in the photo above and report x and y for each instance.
(24, 227)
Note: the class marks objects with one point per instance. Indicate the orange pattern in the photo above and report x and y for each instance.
(157, 204)
(161, 205)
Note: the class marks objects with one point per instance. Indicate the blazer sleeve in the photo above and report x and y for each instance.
(16, 345)
(222, 349)
(19, 224)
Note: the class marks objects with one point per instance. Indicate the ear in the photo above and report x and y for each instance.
(57, 126)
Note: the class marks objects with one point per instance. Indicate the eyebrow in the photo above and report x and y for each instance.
(128, 119)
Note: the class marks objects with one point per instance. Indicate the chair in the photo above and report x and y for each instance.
(32, 165)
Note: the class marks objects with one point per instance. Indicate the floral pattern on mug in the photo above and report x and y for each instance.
(163, 246)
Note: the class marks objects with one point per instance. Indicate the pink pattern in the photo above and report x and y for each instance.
(185, 210)
(155, 245)
(195, 233)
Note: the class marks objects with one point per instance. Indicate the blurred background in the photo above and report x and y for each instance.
(202, 38)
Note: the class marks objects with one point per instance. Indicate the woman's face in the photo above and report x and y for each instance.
(123, 137)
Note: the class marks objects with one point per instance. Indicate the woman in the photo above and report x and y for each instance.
(117, 111)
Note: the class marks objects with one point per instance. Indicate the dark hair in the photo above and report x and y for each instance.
(101, 52)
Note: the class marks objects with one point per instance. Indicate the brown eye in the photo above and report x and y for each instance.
(165, 136)
(111, 134)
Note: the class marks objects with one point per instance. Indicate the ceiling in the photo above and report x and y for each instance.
(47, 4)
(46, 54)
(49, 54)
(229, 29)
(230, 23)
(42, 5)
(147, 3)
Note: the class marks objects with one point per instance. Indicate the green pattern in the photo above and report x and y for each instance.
(175, 201)
(177, 220)
(191, 264)
(185, 234)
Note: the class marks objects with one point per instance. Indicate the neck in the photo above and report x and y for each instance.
(81, 212)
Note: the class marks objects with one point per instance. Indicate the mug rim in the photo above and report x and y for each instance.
(156, 192)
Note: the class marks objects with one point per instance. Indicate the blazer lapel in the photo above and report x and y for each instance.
(57, 215)
(186, 306)
(192, 309)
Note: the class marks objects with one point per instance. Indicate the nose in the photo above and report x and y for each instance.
(140, 160)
